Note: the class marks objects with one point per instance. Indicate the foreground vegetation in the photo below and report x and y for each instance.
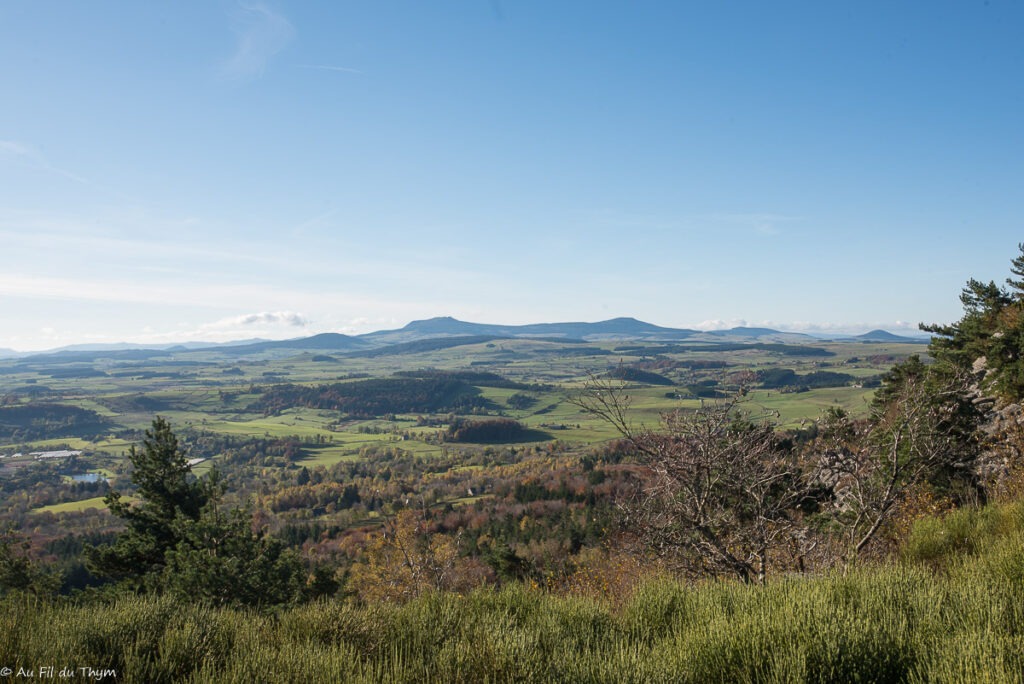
(944, 613)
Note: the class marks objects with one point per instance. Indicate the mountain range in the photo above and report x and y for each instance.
(443, 327)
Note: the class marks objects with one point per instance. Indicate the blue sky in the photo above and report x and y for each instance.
(225, 170)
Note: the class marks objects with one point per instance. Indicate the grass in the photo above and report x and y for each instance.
(329, 455)
(884, 625)
(952, 610)
(305, 423)
(793, 408)
(76, 506)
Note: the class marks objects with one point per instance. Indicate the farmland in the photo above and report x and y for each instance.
(266, 416)
(199, 392)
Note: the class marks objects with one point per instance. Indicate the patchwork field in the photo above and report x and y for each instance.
(100, 403)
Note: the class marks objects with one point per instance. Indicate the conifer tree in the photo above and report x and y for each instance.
(166, 493)
(989, 336)
(1017, 268)
(221, 559)
(180, 539)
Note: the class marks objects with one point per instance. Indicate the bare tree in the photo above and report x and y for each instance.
(921, 431)
(717, 486)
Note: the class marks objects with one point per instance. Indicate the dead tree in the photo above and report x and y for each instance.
(920, 432)
(717, 487)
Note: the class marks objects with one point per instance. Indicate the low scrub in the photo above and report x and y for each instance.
(960, 536)
(900, 623)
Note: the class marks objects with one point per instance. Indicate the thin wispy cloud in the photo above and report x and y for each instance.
(32, 157)
(72, 239)
(330, 67)
(238, 296)
(719, 324)
(318, 221)
(308, 260)
(15, 148)
(261, 34)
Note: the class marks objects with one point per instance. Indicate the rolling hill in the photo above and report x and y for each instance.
(445, 327)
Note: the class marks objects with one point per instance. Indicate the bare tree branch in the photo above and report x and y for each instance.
(717, 487)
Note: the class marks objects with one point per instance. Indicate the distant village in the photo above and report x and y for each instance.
(45, 455)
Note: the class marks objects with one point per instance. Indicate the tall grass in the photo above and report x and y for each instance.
(952, 611)
(891, 624)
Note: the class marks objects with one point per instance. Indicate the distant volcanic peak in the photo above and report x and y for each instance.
(443, 324)
(626, 324)
(329, 338)
(622, 325)
(880, 335)
(322, 342)
(430, 322)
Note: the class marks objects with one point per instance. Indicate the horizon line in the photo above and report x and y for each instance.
(820, 331)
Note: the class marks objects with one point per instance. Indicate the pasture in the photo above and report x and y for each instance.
(206, 393)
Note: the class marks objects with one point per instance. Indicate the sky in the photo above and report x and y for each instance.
(216, 170)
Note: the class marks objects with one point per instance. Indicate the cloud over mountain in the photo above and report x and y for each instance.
(264, 318)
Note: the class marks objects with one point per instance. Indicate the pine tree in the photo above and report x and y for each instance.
(167, 493)
(181, 540)
(991, 333)
(1017, 268)
(222, 560)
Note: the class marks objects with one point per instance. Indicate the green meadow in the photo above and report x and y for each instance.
(216, 394)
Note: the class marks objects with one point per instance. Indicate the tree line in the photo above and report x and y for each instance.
(377, 397)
